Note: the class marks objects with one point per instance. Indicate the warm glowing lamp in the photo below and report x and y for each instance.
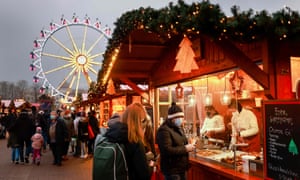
(225, 97)
(208, 96)
(208, 99)
(191, 100)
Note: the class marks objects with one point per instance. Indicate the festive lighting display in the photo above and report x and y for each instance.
(203, 18)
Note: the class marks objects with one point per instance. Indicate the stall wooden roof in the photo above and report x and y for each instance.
(139, 54)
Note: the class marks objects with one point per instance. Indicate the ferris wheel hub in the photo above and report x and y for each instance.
(81, 59)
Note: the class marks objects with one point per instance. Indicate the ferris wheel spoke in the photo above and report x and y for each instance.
(93, 70)
(72, 82)
(84, 39)
(72, 39)
(95, 43)
(57, 56)
(66, 78)
(58, 68)
(61, 45)
(96, 63)
(87, 77)
(96, 55)
(77, 84)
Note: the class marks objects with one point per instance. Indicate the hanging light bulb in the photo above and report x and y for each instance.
(191, 100)
(225, 97)
(208, 99)
(208, 96)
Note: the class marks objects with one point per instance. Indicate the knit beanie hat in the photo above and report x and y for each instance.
(175, 111)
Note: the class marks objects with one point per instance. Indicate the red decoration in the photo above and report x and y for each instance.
(179, 91)
(237, 82)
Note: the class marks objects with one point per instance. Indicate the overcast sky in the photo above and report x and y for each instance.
(22, 20)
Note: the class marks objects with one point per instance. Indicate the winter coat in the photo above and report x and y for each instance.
(135, 152)
(25, 127)
(94, 124)
(70, 127)
(37, 141)
(173, 155)
(12, 140)
(83, 134)
(61, 132)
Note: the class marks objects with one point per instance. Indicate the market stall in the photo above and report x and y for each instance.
(195, 63)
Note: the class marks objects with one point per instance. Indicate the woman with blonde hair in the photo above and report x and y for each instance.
(129, 132)
(134, 116)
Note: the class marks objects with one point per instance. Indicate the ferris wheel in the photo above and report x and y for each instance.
(66, 57)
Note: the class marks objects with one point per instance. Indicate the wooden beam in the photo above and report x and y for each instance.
(244, 62)
(140, 60)
(135, 87)
(135, 45)
(129, 75)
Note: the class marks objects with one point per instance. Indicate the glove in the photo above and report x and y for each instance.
(189, 147)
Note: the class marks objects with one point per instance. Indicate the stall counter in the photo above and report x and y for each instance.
(202, 170)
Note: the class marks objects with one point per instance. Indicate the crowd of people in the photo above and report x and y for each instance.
(31, 132)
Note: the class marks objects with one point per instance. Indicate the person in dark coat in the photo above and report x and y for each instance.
(93, 122)
(13, 141)
(173, 145)
(25, 128)
(57, 134)
(83, 135)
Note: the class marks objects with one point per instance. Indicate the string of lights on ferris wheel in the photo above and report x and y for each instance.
(79, 59)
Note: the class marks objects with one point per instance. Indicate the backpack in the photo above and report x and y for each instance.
(109, 160)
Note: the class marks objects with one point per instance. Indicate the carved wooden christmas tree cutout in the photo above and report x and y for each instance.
(185, 57)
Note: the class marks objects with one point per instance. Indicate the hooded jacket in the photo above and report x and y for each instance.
(135, 152)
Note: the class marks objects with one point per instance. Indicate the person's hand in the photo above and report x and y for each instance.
(240, 139)
(189, 147)
(210, 133)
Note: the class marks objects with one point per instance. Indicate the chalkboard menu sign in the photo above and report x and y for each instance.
(282, 139)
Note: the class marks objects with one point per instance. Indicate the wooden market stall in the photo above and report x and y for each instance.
(169, 53)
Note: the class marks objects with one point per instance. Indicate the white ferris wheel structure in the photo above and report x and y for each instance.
(67, 57)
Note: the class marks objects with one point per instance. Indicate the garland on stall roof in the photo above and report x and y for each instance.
(205, 18)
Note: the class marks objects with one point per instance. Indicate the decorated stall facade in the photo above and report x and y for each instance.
(177, 49)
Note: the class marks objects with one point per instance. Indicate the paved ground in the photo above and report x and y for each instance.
(72, 169)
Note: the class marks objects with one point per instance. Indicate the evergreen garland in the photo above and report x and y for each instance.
(205, 18)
